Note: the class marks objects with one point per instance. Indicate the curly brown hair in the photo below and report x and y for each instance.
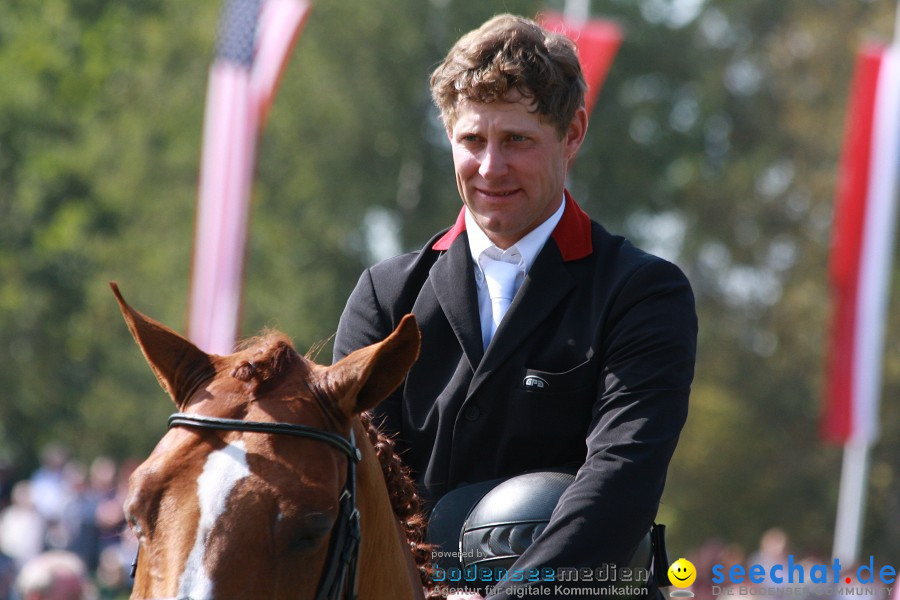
(511, 54)
(405, 500)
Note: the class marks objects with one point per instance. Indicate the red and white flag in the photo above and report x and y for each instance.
(254, 41)
(862, 247)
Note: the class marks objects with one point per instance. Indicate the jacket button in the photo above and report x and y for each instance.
(471, 413)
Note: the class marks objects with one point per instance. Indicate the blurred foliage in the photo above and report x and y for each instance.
(714, 143)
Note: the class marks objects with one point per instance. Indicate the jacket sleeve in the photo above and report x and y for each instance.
(363, 323)
(646, 349)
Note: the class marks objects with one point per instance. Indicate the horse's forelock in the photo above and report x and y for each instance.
(271, 354)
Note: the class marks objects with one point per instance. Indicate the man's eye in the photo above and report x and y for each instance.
(517, 138)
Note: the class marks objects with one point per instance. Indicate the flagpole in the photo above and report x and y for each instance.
(896, 40)
(577, 11)
(851, 502)
(855, 468)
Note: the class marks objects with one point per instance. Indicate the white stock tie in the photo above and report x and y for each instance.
(500, 277)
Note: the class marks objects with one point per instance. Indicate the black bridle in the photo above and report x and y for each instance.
(340, 569)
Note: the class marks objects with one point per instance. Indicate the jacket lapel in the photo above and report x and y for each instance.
(453, 282)
(546, 285)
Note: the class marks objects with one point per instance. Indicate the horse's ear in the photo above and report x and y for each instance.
(178, 364)
(365, 377)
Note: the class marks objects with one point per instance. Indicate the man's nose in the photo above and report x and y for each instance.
(493, 161)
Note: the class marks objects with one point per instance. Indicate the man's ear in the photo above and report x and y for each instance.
(576, 132)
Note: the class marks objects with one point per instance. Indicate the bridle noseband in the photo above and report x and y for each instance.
(340, 569)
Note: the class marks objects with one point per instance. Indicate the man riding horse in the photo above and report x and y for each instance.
(547, 342)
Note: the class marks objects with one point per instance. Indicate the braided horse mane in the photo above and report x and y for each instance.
(405, 500)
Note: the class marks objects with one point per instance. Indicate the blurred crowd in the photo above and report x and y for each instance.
(62, 530)
(63, 537)
(775, 549)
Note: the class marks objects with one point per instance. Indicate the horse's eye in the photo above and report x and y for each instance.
(307, 532)
(133, 522)
(140, 507)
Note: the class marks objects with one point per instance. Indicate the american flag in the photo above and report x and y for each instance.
(254, 41)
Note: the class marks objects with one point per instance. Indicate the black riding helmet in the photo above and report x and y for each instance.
(507, 520)
(482, 529)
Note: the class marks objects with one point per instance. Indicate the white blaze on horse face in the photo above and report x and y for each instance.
(223, 469)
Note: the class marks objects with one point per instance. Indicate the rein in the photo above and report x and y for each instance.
(340, 569)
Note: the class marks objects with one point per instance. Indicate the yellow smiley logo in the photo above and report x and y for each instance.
(682, 573)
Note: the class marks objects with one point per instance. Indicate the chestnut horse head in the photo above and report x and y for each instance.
(248, 492)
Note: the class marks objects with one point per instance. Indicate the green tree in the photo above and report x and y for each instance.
(98, 163)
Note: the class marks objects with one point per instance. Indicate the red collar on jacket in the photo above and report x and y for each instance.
(572, 234)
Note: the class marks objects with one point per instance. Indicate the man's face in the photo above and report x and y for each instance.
(511, 165)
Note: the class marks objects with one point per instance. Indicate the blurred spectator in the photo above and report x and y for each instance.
(118, 546)
(713, 552)
(49, 488)
(93, 516)
(114, 572)
(109, 488)
(21, 526)
(772, 549)
(7, 576)
(78, 525)
(7, 480)
(54, 575)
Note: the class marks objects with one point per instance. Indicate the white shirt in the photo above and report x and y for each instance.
(523, 253)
